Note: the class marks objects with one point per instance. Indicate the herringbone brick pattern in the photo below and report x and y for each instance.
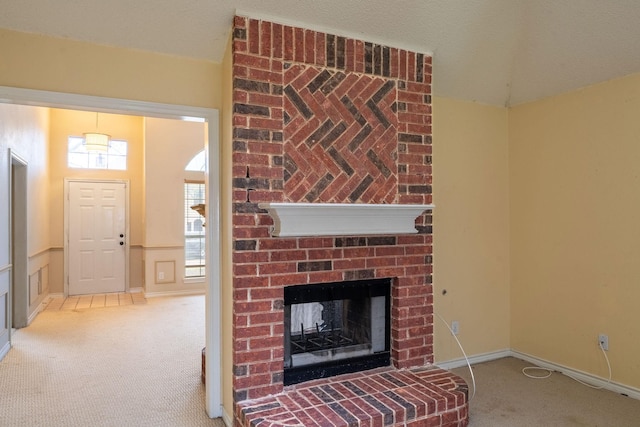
(340, 136)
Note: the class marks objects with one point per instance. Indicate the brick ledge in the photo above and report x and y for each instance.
(418, 397)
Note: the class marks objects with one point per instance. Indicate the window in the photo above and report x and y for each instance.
(197, 163)
(194, 236)
(78, 157)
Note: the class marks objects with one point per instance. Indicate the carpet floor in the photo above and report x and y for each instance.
(505, 397)
(131, 365)
(139, 365)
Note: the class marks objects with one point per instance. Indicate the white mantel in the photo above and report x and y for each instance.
(339, 219)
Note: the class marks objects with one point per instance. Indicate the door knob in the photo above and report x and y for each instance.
(122, 235)
(121, 243)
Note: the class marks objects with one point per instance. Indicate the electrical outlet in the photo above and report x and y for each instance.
(455, 327)
(603, 341)
(161, 275)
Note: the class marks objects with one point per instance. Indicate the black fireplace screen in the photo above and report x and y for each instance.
(335, 328)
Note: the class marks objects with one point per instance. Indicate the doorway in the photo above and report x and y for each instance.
(14, 289)
(96, 244)
(213, 387)
(19, 233)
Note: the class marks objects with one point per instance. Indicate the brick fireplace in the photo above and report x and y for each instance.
(320, 118)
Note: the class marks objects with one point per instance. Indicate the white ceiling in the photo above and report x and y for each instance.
(499, 52)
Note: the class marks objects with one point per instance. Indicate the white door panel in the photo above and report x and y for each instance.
(97, 252)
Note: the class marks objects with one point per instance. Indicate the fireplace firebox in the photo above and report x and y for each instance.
(335, 328)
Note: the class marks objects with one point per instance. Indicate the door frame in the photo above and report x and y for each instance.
(213, 324)
(19, 288)
(67, 211)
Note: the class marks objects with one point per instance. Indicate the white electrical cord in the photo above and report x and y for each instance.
(537, 368)
(473, 378)
(550, 371)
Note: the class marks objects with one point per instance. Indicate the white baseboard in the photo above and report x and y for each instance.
(5, 349)
(226, 419)
(586, 377)
(58, 295)
(40, 308)
(136, 290)
(174, 293)
(477, 358)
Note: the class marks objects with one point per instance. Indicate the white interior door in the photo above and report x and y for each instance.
(97, 240)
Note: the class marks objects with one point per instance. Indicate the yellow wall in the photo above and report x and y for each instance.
(535, 225)
(25, 130)
(27, 135)
(575, 234)
(169, 146)
(61, 65)
(471, 227)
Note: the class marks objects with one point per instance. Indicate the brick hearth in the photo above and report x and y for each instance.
(419, 397)
(325, 119)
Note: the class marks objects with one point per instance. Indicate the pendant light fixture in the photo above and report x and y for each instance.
(95, 141)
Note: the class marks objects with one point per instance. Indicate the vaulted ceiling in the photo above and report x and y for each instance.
(499, 52)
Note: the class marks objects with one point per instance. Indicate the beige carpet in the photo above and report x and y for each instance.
(507, 398)
(132, 365)
(139, 365)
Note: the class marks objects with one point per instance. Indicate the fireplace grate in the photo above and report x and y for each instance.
(335, 328)
(322, 339)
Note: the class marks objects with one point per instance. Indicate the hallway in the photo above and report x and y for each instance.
(134, 364)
